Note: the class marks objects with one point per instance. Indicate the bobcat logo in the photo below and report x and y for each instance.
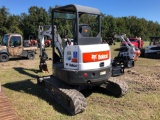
(94, 57)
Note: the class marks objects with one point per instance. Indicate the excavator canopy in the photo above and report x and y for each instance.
(85, 22)
(78, 9)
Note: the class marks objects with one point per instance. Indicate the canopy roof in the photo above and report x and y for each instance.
(78, 8)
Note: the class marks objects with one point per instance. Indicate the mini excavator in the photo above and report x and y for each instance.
(127, 55)
(82, 65)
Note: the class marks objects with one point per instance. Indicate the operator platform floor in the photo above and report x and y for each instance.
(6, 111)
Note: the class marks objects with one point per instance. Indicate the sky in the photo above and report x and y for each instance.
(147, 9)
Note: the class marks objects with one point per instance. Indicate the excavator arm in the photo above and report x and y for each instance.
(131, 51)
(122, 38)
(57, 44)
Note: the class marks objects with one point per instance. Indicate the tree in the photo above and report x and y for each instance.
(13, 23)
(3, 18)
(27, 24)
(37, 16)
(108, 26)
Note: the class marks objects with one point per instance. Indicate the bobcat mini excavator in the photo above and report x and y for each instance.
(84, 64)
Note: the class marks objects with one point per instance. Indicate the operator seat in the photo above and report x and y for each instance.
(84, 29)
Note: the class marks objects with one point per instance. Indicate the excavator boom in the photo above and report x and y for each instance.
(57, 43)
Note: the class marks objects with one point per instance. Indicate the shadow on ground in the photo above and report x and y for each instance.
(30, 87)
(18, 58)
(117, 49)
(96, 89)
(24, 71)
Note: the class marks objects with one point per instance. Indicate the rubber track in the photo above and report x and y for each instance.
(70, 99)
(117, 87)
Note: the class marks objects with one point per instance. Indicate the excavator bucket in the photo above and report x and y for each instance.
(44, 68)
(43, 65)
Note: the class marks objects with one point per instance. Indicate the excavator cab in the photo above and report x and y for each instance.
(85, 30)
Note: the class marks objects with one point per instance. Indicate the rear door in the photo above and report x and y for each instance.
(15, 45)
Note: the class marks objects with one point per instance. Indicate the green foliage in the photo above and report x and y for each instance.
(3, 18)
(27, 24)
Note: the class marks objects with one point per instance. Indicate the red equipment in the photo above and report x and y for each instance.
(47, 43)
(137, 42)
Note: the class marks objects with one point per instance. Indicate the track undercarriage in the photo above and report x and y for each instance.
(71, 98)
(153, 55)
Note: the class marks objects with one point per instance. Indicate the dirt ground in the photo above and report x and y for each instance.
(146, 76)
(143, 77)
(143, 81)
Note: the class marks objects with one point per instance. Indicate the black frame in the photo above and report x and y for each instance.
(79, 40)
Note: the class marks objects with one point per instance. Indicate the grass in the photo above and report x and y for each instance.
(30, 101)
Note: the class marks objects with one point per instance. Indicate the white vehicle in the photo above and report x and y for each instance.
(14, 46)
(152, 51)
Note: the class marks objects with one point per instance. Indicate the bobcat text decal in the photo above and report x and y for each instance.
(96, 56)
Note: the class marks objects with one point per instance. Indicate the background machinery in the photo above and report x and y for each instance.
(110, 40)
(137, 42)
(48, 43)
(31, 41)
(129, 52)
(126, 57)
(153, 50)
(13, 46)
(84, 64)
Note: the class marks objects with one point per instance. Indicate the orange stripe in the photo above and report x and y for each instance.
(96, 56)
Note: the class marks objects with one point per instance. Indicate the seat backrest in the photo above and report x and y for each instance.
(84, 30)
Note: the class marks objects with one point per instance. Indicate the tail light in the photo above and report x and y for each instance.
(85, 74)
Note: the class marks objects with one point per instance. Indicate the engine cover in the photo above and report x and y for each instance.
(86, 57)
